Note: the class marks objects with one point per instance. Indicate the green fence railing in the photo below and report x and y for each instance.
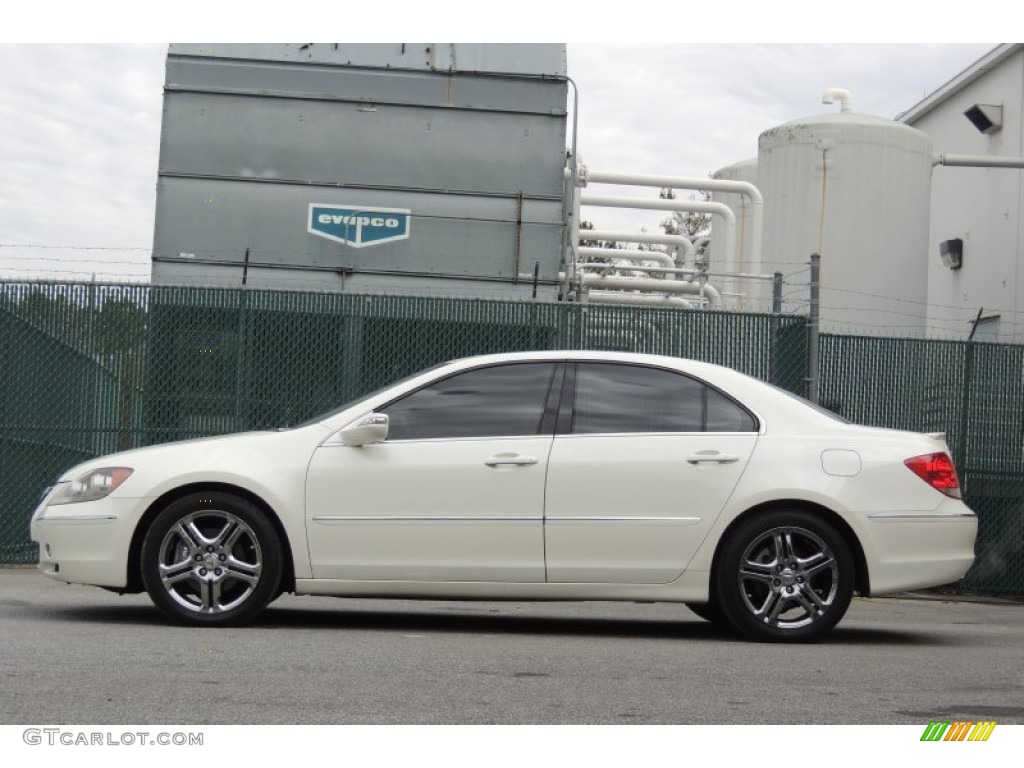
(89, 369)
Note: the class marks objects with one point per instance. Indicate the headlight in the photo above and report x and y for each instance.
(90, 486)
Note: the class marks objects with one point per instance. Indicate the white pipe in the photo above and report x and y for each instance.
(680, 241)
(687, 271)
(629, 255)
(606, 265)
(744, 188)
(715, 209)
(653, 285)
(617, 297)
(843, 96)
(978, 161)
(678, 271)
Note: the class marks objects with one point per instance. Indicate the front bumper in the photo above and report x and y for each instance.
(87, 543)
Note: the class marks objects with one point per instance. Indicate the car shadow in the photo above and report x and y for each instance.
(447, 620)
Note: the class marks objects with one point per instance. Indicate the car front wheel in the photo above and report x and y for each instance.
(785, 576)
(211, 559)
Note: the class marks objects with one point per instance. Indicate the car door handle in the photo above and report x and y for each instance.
(515, 459)
(713, 457)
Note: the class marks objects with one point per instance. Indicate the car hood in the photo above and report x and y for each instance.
(198, 450)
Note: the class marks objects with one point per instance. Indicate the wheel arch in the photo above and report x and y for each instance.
(135, 550)
(862, 578)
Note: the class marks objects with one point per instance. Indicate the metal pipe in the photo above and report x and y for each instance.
(843, 96)
(653, 285)
(716, 209)
(978, 161)
(606, 265)
(691, 271)
(814, 331)
(574, 244)
(570, 205)
(680, 241)
(744, 188)
(618, 297)
(628, 255)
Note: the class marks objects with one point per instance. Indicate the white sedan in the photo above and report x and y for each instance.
(528, 476)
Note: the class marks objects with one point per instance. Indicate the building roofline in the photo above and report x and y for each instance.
(987, 62)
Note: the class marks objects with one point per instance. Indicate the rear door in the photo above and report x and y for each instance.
(644, 461)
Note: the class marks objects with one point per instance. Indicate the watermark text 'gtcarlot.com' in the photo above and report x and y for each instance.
(61, 737)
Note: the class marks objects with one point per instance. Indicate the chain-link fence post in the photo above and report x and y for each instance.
(814, 331)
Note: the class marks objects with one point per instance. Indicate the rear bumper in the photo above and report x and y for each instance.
(918, 550)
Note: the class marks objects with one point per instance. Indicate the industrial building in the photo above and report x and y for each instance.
(975, 246)
(417, 168)
(917, 220)
(441, 169)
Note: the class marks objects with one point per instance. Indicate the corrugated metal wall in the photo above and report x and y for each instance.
(470, 140)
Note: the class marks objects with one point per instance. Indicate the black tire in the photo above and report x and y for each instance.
(212, 559)
(784, 576)
(709, 612)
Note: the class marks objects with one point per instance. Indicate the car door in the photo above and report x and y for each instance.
(644, 461)
(455, 492)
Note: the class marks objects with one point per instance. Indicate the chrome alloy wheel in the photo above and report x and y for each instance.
(210, 561)
(788, 577)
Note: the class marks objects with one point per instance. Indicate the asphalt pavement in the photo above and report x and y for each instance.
(75, 654)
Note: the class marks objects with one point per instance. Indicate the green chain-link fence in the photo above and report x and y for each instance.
(89, 369)
(972, 392)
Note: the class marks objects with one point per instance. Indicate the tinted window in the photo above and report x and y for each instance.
(500, 401)
(614, 398)
(723, 415)
(628, 398)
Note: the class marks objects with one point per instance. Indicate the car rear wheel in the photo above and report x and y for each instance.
(211, 559)
(785, 576)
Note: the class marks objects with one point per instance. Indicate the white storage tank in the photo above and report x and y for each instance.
(856, 189)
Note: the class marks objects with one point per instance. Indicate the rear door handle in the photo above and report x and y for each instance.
(513, 459)
(711, 457)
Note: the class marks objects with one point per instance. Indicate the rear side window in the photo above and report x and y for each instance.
(613, 398)
(724, 415)
(499, 401)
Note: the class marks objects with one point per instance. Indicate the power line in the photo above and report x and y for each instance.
(42, 246)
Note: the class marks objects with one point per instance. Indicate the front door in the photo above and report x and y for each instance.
(456, 492)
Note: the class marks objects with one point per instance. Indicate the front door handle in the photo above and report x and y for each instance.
(513, 459)
(711, 457)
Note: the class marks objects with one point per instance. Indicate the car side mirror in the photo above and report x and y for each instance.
(372, 428)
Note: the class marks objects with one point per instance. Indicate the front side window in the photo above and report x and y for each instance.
(613, 398)
(498, 401)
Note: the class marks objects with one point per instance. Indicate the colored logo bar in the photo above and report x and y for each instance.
(958, 730)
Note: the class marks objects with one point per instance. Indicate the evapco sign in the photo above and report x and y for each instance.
(358, 226)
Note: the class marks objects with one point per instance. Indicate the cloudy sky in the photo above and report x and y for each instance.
(80, 125)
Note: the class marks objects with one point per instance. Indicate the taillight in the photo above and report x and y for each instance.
(938, 471)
